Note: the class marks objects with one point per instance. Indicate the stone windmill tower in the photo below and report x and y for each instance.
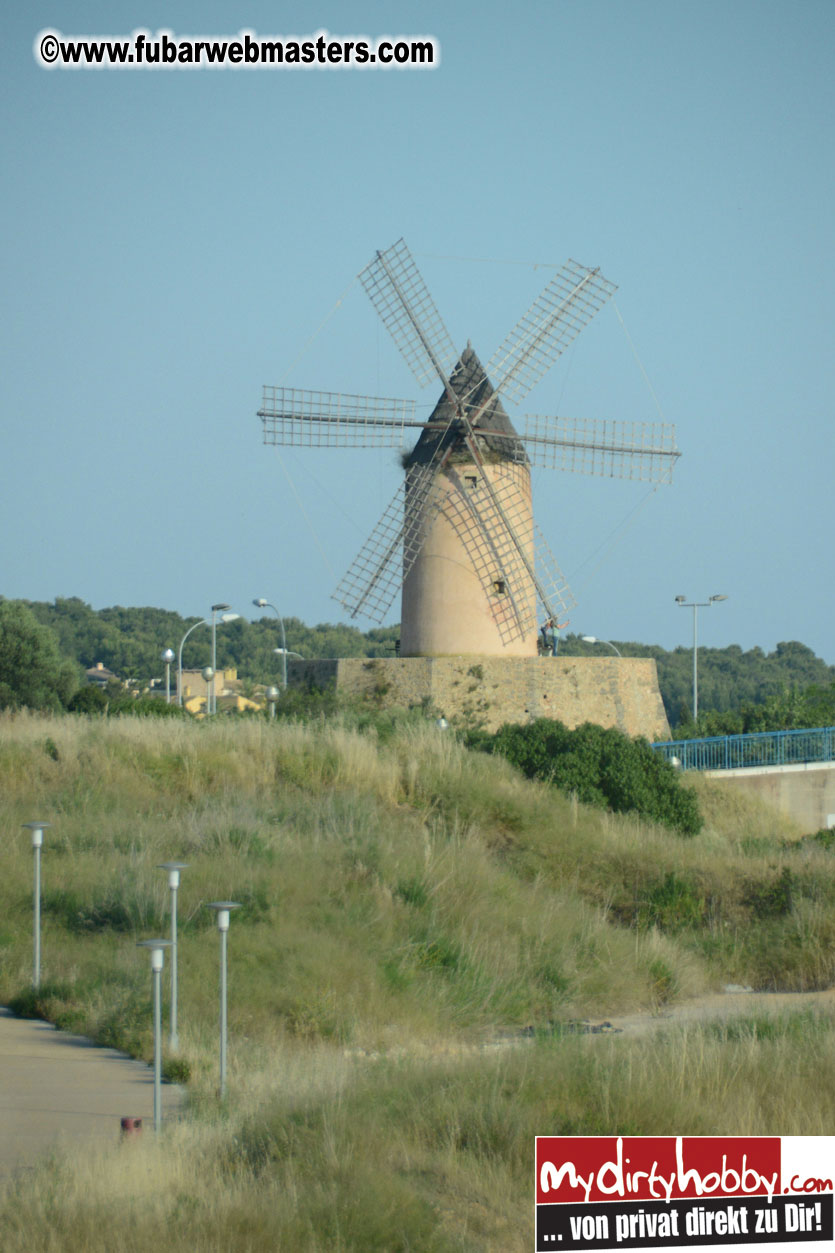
(459, 536)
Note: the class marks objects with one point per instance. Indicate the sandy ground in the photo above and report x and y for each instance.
(716, 1007)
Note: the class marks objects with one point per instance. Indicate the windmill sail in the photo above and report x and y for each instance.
(480, 519)
(559, 598)
(312, 419)
(554, 320)
(398, 293)
(376, 574)
(460, 530)
(642, 451)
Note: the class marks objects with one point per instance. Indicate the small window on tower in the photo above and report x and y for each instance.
(499, 587)
(471, 482)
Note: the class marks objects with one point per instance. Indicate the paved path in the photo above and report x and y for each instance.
(58, 1089)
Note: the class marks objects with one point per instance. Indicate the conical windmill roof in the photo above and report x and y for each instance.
(494, 432)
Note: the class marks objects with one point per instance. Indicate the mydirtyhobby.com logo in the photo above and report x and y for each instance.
(631, 1192)
(164, 50)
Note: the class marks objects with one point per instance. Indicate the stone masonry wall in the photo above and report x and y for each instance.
(611, 691)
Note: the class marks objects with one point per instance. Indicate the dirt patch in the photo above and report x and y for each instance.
(720, 1006)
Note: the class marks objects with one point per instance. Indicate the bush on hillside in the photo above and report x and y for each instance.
(92, 700)
(602, 766)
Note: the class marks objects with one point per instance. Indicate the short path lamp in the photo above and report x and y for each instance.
(272, 696)
(222, 909)
(157, 948)
(173, 868)
(37, 829)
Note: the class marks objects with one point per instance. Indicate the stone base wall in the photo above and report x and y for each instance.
(618, 692)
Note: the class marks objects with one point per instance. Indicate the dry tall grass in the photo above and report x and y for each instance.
(405, 905)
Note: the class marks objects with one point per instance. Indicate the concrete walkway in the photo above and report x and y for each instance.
(59, 1090)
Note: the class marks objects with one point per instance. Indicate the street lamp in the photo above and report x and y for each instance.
(222, 909)
(208, 676)
(272, 696)
(684, 603)
(173, 868)
(168, 657)
(593, 639)
(37, 829)
(157, 948)
(284, 653)
(220, 607)
(260, 603)
(224, 617)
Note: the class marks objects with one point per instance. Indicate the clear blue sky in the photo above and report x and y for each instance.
(173, 240)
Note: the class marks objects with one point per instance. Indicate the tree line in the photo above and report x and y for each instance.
(45, 647)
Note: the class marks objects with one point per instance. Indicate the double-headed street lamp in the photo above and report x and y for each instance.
(684, 603)
(224, 617)
(220, 607)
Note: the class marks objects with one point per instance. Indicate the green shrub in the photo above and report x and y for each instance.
(772, 899)
(602, 767)
(39, 1002)
(93, 700)
(672, 903)
(88, 700)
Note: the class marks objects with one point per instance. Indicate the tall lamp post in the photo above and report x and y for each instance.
(222, 909)
(157, 948)
(37, 829)
(684, 603)
(220, 607)
(260, 603)
(593, 639)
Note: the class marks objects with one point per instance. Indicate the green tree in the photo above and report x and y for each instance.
(33, 674)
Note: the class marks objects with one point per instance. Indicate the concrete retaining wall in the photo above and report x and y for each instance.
(805, 793)
(611, 691)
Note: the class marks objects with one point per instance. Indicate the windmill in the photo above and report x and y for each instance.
(459, 536)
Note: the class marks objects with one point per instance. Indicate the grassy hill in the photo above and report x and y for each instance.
(419, 928)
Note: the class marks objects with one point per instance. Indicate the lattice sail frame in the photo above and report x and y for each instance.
(645, 452)
(492, 550)
(555, 319)
(558, 595)
(376, 574)
(397, 291)
(298, 418)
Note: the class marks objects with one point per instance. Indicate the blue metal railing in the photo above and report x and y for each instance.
(765, 748)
